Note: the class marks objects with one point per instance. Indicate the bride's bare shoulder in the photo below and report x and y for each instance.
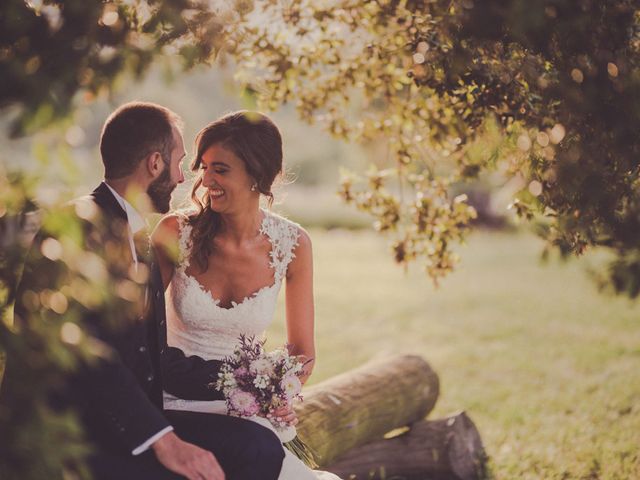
(168, 225)
(168, 228)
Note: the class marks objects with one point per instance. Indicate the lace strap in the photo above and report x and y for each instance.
(283, 235)
(184, 241)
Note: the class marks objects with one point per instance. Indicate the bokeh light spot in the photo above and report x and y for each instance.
(542, 138)
(557, 133)
(577, 75)
(418, 58)
(70, 333)
(74, 136)
(524, 142)
(109, 17)
(51, 248)
(535, 188)
(86, 209)
(58, 303)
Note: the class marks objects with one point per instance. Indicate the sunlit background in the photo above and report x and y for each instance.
(544, 363)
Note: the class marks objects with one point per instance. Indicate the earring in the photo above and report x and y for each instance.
(254, 187)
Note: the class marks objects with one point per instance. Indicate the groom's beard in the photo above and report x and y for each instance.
(160, 191)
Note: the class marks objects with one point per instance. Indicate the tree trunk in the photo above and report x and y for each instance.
(361, 405)
(446, 449)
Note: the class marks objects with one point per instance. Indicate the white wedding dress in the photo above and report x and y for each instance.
(199, 326)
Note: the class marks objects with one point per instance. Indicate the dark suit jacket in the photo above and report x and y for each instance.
(120, 396)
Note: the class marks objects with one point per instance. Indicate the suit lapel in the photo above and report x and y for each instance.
(115, 217)
(107, 202)
(152, 314)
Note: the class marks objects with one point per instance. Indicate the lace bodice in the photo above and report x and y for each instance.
(198, 325)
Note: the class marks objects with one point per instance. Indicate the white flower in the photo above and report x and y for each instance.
(291, 386)
(227, 381)
(279, 355)
(261, 366)
(261, 381)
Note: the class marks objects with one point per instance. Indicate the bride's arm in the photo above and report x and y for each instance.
(299, 303)
(165, 240)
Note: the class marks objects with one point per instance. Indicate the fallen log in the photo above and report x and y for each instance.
(359, 406)
(444, 449)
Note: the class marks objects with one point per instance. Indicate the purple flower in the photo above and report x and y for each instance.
(254, 381)
(243, 403)
(240, 372)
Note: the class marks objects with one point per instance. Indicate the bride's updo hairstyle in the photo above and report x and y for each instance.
(255, 140)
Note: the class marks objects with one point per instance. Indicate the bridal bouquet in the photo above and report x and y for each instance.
(255, 382)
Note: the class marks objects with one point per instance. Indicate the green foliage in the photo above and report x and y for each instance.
(561, 78)
(54, 56)
(49, 339)
(52, 52)
(432, 224)
(37, 360)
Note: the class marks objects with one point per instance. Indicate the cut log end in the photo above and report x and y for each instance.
(448, 448)
(465, 450)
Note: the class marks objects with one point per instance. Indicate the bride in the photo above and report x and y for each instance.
(223, 265)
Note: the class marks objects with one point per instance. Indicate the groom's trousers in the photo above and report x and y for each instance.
(244, 449)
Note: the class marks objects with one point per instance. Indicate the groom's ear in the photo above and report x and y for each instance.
(154, 164)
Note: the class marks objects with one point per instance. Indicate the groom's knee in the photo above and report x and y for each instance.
(262, 455)
(246, 450)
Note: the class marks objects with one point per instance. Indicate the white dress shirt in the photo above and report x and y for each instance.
(134, 219)
(137, 223)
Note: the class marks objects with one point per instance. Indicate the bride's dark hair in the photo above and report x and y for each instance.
(255, 140)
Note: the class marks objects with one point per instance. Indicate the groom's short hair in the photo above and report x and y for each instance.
(134, 131)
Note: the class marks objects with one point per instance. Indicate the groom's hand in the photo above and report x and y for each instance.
(186, 459)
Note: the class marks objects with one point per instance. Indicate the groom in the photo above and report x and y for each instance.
(119, 398)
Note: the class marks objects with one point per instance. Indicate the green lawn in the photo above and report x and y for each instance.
(548, 368)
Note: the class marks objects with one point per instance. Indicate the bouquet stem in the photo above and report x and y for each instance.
(302, 451)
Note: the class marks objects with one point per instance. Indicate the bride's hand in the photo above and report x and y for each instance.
(284, 415)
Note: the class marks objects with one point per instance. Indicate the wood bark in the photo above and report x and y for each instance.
(356, 407)
(445, 449)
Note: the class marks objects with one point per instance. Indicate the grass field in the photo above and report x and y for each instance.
(548, 368)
